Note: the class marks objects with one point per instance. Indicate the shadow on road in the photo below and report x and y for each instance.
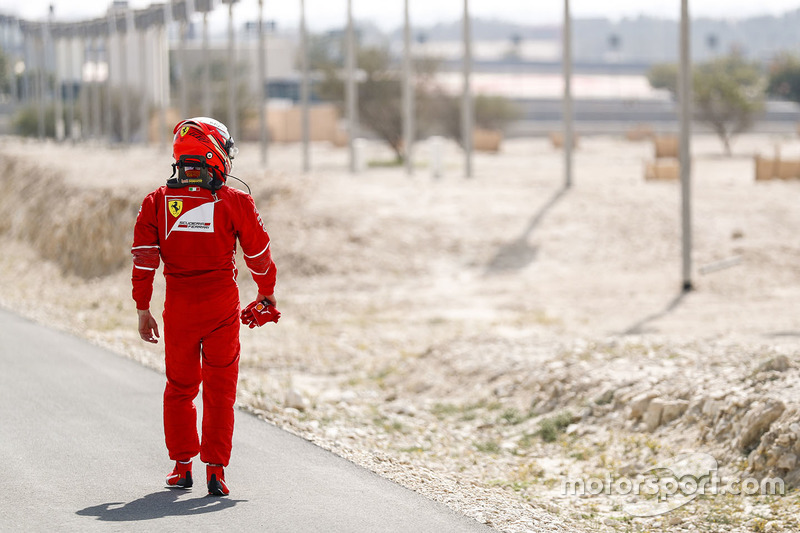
(158, 505)
(518, 254)
(640, 327)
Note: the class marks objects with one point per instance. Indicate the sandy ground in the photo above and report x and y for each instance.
(477, 340)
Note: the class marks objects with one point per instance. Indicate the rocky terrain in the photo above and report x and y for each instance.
(480, 341)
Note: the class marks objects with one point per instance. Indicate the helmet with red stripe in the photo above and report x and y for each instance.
(203, 151)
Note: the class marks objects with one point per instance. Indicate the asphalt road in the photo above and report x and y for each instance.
(82, 449)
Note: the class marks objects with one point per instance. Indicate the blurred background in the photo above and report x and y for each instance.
(124, 71)
(473, 339)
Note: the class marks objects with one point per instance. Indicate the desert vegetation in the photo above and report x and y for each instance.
(479, 341)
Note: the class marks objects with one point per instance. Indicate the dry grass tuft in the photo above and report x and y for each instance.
(86, 232)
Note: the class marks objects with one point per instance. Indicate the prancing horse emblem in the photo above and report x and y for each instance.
(175, 207)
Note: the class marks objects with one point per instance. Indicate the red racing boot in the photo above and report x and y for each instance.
(215, 474)
(181, 475)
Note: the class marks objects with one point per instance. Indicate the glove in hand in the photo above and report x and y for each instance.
(259, 313)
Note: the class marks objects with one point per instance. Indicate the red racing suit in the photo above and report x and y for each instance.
(194, 232)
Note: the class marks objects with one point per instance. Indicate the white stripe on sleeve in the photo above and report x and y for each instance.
(257, 273)
(259, 253)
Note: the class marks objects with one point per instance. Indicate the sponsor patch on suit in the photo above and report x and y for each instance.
(194, 215)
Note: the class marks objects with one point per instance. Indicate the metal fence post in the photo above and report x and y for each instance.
(206, 69)
(144, 112)
(40, 81)
(351, 89)
(685, 97)
(233, 122)
(58, 92)
(125, 45)
(262, 113)
(96, 88)
(72, 81)
(164, 77)
(408, 94)
(467, 110)
(569, 136)
(304, 87)
(109, 116)
(84, 85)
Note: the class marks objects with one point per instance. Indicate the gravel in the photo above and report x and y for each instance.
(481, 341)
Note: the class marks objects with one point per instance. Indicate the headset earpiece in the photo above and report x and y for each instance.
(193, 170)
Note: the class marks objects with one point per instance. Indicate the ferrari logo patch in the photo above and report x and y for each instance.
(184, 130)
(189, 214)
(175, 207)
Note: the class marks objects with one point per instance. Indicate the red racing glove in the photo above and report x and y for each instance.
(259, 313)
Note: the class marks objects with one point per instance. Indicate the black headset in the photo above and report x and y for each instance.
(194, 170)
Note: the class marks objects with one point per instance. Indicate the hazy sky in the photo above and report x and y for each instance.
(388, 13)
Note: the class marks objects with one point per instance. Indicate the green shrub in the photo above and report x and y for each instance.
(550, 428)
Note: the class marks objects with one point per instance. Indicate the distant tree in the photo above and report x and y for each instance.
(26, 121)
(664, 76)
(728, 93)
(380, 106)
(494, 112)
(784, 78)
(380, 93)
(325, 51)
(491, 113)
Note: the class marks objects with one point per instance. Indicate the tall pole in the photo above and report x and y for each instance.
(40, 92)
(20, 44)
(10, 49)
(85, 83)
(408, 95)
(352, 88)
(13, 47)
(685, 97)
(109, 117)
(27, 53)
(186, 21)
(163, 76)
(304, 87)
(144, 111)
(262, 113)
(206, 69)
(97, 96)
(125, 46)
(72, 83)
(183, 72)
(569, 138)
(7, 47)
(18, 56)
(467, 111)
(53, 45)
(232, 118)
